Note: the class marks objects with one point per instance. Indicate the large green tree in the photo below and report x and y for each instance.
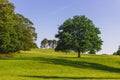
(8, 36)
(78, 34)
(26, 32)
(16, 31)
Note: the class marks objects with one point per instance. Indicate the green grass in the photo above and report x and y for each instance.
(47, 64)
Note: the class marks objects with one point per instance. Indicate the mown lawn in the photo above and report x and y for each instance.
(47, 64)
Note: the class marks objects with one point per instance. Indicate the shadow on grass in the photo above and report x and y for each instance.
(60, 77)
(75, 64)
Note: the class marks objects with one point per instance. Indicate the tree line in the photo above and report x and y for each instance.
(16, 31)
(45, 43)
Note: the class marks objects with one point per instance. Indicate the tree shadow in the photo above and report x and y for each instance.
(60, 77)
(80, 64)
(75, 64)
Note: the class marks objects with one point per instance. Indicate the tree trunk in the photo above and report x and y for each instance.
(79, 54)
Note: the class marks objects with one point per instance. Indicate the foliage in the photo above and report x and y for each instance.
(8, 36)
(78, 34)
(45, 43)
(26, 32)
(15, 33)
(3, 1)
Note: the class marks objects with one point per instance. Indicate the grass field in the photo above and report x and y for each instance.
(47, 64)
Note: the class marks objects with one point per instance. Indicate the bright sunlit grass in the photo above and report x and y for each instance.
(40, 64)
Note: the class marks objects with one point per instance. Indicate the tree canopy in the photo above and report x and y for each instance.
(16, 31)
(78, 34)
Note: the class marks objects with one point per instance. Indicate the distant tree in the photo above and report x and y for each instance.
(78, 34)
(54, 44)
(92, 52)
(118, 52)
(44, 43)
(50, 43)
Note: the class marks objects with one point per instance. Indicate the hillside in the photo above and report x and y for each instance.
(47, 64)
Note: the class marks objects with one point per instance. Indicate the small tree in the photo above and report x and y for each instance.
(78, 34)
(54, 44)
(44, 43)
(50, 43)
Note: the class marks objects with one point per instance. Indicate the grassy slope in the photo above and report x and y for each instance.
(47, 64)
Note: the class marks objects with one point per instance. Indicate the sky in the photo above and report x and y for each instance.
(47, 15)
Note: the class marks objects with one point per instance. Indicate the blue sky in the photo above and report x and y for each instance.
(47, 15)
